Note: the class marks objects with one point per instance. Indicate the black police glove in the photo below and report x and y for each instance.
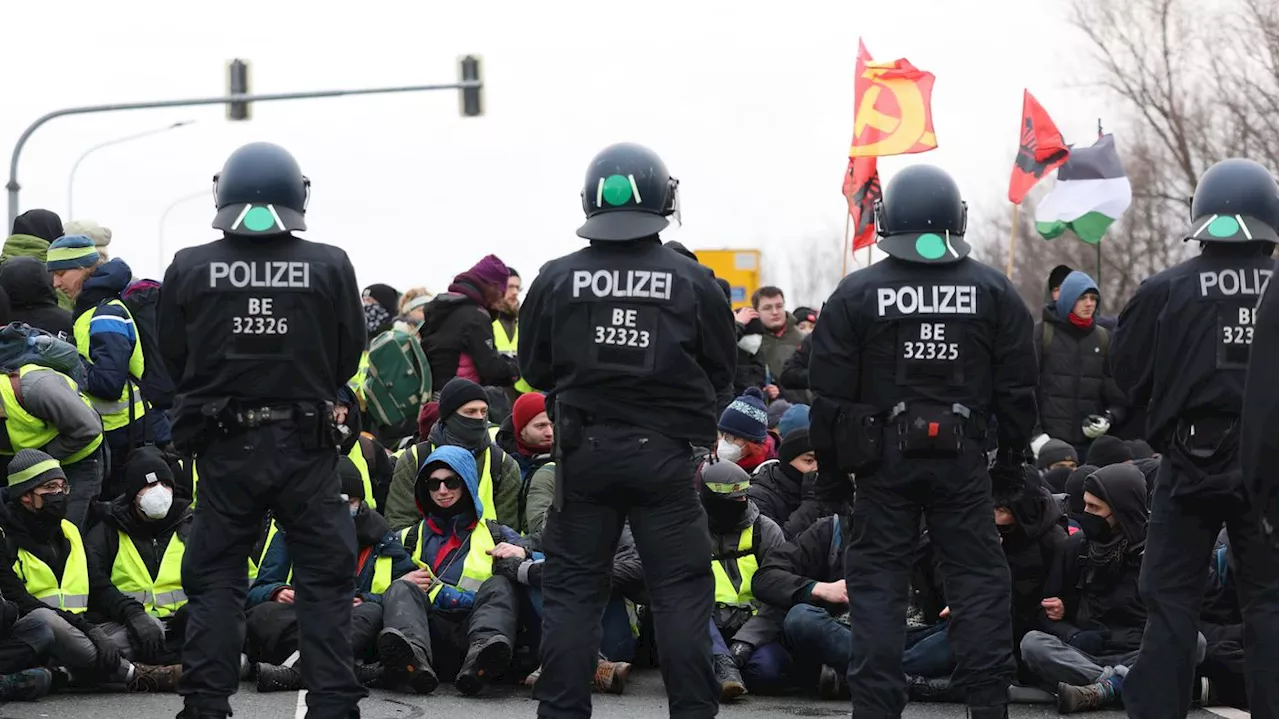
(147, 635)
(108, 654)
(740, 652)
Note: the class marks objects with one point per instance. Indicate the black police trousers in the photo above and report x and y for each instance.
(240, 477)
(954, 494)
(622, 473)
(1180, 537)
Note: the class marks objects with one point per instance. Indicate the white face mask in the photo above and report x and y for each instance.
(751, 343)
(156, 501)
(728, 451)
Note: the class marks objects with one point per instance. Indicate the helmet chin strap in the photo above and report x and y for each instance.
(947, 242)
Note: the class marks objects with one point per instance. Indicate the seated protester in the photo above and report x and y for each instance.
(526, 437)
(135, 562)
(1107, 450)
(185, 478)
(109, 342)
(805, 578)
(49, 579)
(272, 621)
(796, 417)
(1032, 535)
(1074, 489)
(45, 410)
(744, 636)
(777, 485)
(744, 432)
(1093, 615)
(463, 422)
(1140, 449)
(1221, 677)
(1056, 453)
(369, 457)
(451, 618)
(1055, 480)
(24, 650)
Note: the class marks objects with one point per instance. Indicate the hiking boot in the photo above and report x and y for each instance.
(731, 685)
(831, 684)
(27, 685)
(404, 664)
(1098, 695)
(152, 678)
(483, 663)
(370, 675)
(926, 689)
(999, 711)
(272, 678)
(611, 677)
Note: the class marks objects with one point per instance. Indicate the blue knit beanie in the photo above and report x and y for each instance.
(746, 416)
(72, 252)
(796, 417)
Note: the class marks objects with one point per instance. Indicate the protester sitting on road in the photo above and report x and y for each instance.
(368, 455)
(777, 487)
(526, 436)
(744, 432)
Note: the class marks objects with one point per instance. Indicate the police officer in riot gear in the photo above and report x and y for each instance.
(1181, 349)
(259, 330)
(911, 358)
(636, 344)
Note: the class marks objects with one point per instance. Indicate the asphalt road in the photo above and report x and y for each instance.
(644, 700)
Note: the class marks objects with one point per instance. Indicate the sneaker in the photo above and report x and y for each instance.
(731, 684)
(272, 678)
(152, 678)
(1099, 695)
(832, 684)
(483, 663)
(27, 685)
(404, 664)
(611, 677)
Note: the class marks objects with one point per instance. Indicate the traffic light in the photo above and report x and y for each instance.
(237, 84)
(471, 99)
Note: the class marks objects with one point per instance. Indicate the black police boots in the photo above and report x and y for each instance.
(273, 678)
(404, 664)
(485, 660)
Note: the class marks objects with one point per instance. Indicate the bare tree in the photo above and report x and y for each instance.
(814, 273)
(1195, 83)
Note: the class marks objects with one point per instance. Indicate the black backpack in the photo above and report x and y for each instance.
(142, 298)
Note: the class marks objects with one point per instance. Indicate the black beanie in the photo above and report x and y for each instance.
(1107, 450)
(1140, 448)
(1054, 451)
(352, 480)
(1075, 488)
(1056, 479)
(457, 392)
(1057, 275)
(146, 465)
(795, 444)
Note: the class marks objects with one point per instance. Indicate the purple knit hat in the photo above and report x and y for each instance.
(491, 270)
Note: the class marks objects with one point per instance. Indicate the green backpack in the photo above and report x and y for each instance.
(399, 379)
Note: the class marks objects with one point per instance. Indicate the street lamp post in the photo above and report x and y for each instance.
(165, 216)
(71, 179)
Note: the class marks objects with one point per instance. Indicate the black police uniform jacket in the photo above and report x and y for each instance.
(264, 321)
(632, 332)
(951, 333)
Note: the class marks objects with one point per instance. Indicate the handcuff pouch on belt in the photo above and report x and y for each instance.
(227, 418)
(928, 429)
(858, 436)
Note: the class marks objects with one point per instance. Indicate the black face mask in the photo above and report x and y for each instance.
(54, 509)
(469, 432)
(724, 512)
(1095, 528)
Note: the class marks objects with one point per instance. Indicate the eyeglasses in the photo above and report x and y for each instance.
(434, 483)
(55, 487)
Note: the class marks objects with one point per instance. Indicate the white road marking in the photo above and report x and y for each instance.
(1228, 712)
(301, 711)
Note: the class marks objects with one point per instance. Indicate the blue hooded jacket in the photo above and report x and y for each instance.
(1073, 287)
(439, 532)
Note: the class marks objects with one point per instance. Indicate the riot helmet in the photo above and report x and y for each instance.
(921, 218)
(628, 194)
(260, 191)
(1236, 200)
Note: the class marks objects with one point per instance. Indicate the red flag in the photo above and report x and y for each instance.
(892, 114)
(861, 186)
(1040, 149)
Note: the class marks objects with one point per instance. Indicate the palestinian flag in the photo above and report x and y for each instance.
(1092, 192)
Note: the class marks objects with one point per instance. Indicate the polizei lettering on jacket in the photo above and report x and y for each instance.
(927, 300)
(279, 275)
(639, 284)
(1229, 283)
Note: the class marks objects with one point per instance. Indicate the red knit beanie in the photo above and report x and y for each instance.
(427, 419)
(527, 406)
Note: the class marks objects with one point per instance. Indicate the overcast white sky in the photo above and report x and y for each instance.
(750, 104)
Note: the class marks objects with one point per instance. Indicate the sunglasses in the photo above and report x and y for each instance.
(451, 483)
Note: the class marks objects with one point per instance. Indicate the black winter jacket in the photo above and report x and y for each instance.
(777, 488)
(454, 325)
(1031, 549)
(151, 539)
(48, 544)
(795, 371)
(32, 298)
(1075, 380)
(1105, 598)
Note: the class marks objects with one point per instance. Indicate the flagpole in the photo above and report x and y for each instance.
(846, 246)
(1097, 270)
(1013, 244)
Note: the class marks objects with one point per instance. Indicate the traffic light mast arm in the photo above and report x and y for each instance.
(13, 187)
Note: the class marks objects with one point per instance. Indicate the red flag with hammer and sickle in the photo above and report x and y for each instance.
(861, 186)
(892, 114)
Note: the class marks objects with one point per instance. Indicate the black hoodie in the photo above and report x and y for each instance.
(151, 539)
(32, 298)
(776, 489)
(1031, 548)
